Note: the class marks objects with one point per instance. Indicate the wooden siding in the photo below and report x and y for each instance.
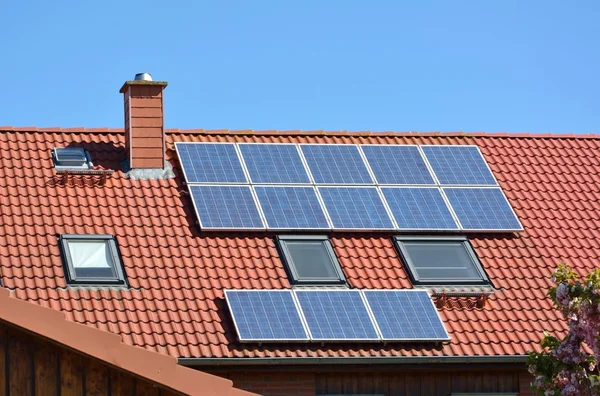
(417, 383)
(414, 381)
(30, 365)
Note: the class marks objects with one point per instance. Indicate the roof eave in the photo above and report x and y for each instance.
(517, 359)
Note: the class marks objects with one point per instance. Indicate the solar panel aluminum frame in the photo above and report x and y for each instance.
(319, 198)
(254, 198)
(427, 164)
(310, 182)
(383, 200)
(360, 152)
(274, 340)
(237, 151)
(458, 145)
(483, 229)
(369, 312)
(448, 338)
(454, 217)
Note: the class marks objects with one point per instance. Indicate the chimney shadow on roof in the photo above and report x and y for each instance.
(105, 155)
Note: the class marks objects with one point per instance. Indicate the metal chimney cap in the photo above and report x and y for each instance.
(143, 77)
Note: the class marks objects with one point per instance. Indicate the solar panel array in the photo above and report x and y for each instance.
(282, 186)
(335, 315)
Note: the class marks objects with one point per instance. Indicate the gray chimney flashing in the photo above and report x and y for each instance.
(148, 174)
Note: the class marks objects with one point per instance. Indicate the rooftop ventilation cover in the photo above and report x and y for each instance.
(143, 77)
(71, 158)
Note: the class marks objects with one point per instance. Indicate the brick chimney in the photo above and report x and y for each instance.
(144, 122)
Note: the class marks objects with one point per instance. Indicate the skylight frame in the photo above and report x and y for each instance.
(291, 268)
(69, 266)
(67, 165)
(419, 281)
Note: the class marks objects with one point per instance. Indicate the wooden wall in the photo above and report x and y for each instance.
(30, 365)
(389, 381)
(441, 383)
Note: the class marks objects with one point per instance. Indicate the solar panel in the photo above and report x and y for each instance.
(459, 165)
(210, 163)
(274, 163)
(265, 315)
(336, 164)
(404, 315)
(291, 207)
(336, 315)
(396, 164)
(223, 207)
(419, 208)
(355, 208)
(482, 209)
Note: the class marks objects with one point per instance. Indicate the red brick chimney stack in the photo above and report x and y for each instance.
(144, 122)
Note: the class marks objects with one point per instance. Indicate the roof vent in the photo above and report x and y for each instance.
(143, 77)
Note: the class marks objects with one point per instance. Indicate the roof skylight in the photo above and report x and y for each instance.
(71, 158)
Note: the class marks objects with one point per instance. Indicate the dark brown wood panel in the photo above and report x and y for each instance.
(20, 365)
(122, 384)
(3, 353)
(71, 374)
(46, 371)
(434, 383)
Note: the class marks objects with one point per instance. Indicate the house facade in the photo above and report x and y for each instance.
(122, 241)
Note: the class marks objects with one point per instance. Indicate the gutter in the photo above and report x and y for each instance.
(521, 359)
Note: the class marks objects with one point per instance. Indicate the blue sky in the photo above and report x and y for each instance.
(517, 66)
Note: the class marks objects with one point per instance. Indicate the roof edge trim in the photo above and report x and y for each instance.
(357, 360)
(227, 132)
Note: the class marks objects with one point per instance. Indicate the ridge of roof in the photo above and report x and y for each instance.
(108, 347)
(101, 130)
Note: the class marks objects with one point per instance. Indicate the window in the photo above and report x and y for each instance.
(91, 259)
(439, 261)
(71, 158)
(310, 260)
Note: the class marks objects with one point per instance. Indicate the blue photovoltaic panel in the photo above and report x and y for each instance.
(482, 209)
(274, 163)
(336, 315)
(397, 165)
(210, 163)
(406, 315)
(459, 165)
(265, 315)
(291, 207)
(419, 208)
(336, 164)
(355, 208)
(223, 207)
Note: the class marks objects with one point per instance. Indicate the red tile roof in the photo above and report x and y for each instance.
(161, 370)
(177, 274)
